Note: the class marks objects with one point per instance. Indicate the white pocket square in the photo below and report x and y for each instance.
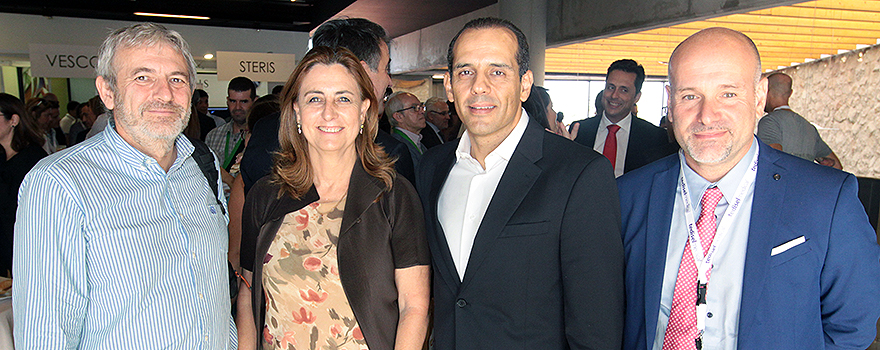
(787, 245)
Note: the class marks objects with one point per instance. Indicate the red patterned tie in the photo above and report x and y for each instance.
(681, 331)
(610, 149)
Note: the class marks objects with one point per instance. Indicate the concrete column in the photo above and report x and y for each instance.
(531, 17)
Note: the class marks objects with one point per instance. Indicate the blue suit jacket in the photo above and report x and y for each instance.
(822, 294)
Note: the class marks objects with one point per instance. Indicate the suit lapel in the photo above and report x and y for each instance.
(769, 194)
(590, 129)
(660, 207)
(444, 261)
(635, 145)
(516, 182)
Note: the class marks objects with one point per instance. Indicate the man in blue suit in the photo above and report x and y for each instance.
(786, 259)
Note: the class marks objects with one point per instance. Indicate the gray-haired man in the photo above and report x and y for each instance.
(120, 241)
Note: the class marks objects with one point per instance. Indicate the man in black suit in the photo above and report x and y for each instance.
(523, 225)
(634, 142)
(436, 119)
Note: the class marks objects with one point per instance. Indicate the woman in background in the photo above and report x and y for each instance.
(22, 147)
(539, 107)
(40, 112)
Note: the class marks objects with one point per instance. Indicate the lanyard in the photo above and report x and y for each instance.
(401, 133)
(704, 260)
(227, 153)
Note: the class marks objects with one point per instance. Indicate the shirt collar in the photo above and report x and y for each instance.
(624, 123)
(416, 138)
(133, 156)
(782, 107)
(504, 150)
(728, 184)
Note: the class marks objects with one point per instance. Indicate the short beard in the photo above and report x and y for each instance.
(698, 156)
(146, 132)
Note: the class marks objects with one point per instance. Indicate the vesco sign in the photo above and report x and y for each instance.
(63, 61)
(256, 66)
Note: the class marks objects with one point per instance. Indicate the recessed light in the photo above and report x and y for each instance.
(170, 16)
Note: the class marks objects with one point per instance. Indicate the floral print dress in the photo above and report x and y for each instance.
(306, 307)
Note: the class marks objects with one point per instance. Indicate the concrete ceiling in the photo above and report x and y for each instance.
(785, 36)
(398, 17)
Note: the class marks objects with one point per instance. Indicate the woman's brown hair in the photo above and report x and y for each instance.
(26, 132)
(293, 168)
(35, 108)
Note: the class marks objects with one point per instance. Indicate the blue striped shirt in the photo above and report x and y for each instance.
(112, 252)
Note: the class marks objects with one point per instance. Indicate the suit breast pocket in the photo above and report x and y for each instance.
(792, 253)
(525, 229)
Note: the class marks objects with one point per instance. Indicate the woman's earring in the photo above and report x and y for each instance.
(362, 129)
(299, 127)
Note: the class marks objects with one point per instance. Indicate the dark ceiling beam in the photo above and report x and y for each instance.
(300, 16)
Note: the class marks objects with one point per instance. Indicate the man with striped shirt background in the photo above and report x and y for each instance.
(120, 241)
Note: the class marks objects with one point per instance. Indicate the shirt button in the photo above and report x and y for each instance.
(709, 314)
(194, 255)
(461, 303)
(206, 338)
(201, 296)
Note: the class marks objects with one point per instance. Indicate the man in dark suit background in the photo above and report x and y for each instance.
(436, 119)
(791, 261)
(633, 142)
(522, 224)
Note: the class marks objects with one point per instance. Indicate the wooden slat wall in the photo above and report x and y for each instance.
(784, 35)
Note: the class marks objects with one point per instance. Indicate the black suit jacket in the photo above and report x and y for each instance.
(647, 142)
(429, 137)
(545, 271)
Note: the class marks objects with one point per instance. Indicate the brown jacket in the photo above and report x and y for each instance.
(381, 231)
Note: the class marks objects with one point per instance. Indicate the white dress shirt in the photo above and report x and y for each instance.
(625, 125)
(725, 285)
(468, 191)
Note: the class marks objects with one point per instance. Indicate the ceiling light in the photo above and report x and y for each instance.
(437, 76)
(170, 16)
(209, 56)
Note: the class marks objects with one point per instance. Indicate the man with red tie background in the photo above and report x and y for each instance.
(627, 141)
(731, 244)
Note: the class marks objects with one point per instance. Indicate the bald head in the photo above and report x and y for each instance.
(715, 94)
(778, 91)
(718, 39)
